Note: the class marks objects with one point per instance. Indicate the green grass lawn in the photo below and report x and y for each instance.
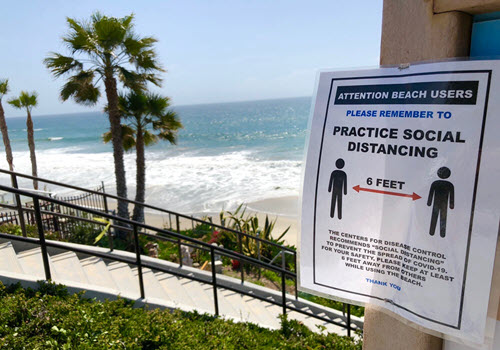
(50, 318)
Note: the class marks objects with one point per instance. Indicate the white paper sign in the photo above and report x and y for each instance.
(401, 192)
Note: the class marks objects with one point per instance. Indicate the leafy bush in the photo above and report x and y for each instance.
(13, 229)
(84, 233)
(31, 231)
(240, 220)
(51, 319)
(80, 232)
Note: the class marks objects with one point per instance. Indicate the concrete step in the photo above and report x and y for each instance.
(273, 310)
(312, 323)
(97, 272)
(172, 286)
(152, 288)
(269, 312)
(8, 258)
(121, 278)
(67, 266)
(32, 263)
(199, 293)
(226, 306)
(247, 308)
(124, 279)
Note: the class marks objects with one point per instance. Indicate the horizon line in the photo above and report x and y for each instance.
(173, 106)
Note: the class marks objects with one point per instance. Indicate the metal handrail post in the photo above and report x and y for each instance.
(283, 292)
(214, 281)
(105, 198)
(138, 261)
(178, 223)
(258, 253)
(283, 259)
(41, 239)
(240, 243)
(348, 320)
(180, 252)
(19, 205)
(106, 210)
(110, 239)
(296, 276)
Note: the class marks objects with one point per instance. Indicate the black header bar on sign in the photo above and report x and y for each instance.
(434, 93)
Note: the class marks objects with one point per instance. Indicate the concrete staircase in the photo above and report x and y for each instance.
(171, 288)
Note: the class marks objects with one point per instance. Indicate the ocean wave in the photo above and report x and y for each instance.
(55, 138)
(186, 183)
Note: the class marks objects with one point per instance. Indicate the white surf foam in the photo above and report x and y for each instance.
(185, 183)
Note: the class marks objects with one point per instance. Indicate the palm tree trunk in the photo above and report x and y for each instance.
(116, 135)
(5, 136)
(31, 144)
(140, 176)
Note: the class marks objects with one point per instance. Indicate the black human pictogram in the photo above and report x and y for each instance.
(338, 184)
(443, 194)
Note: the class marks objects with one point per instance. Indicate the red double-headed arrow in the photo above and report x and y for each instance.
(413, 196)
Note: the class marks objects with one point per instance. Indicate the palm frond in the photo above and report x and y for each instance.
(149, 138)
(132, 45)
(142, 55)
(81, 87)
(109, 31)
(107, 137)
(152, 78)
(128, 137)
(25, 100)
(167, 126)
(4, 87)
(60, 65)
(127, 22)
(157, 104)
(80, 38)
(15, 102)
(130, 79)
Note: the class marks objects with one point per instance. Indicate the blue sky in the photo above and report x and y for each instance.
(214, 51)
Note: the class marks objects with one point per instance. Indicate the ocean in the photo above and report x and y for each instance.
(227, 154)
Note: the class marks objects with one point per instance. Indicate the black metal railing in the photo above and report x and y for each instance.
(174, 221)
(94, 199)
(136, 230)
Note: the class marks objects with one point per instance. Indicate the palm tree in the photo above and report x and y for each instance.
(4, 88)
(106, 49)
(28, 101)
(150, 120)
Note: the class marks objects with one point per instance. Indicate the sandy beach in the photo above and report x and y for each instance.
(285, 210)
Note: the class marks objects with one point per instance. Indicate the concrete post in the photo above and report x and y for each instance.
(412, 32)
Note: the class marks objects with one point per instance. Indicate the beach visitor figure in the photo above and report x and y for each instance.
(338, 184)
(443, 193)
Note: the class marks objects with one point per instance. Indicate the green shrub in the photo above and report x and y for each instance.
(48, 318)
(12, 229)
(276, 278)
